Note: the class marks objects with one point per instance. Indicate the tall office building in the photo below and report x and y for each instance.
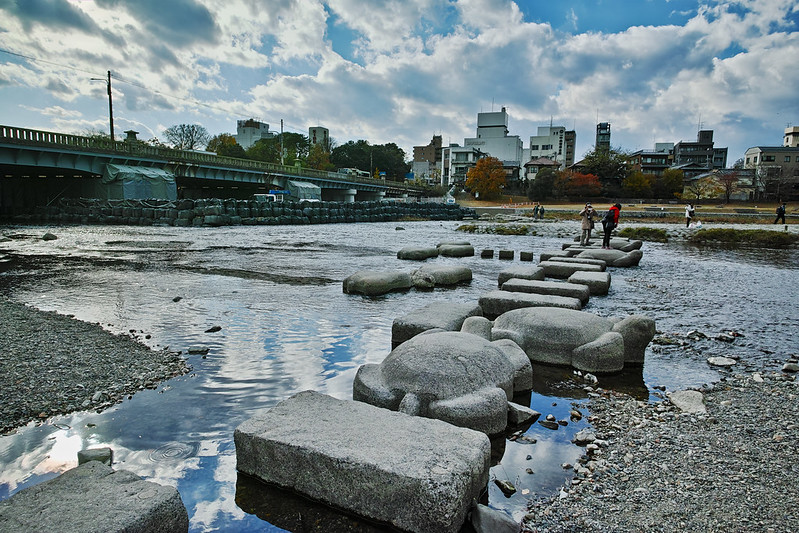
(602, 137)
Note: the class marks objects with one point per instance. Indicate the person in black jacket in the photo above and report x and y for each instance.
(609, 223)
(780, 213)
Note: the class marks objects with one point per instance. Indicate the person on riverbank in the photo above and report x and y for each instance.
(689, 214)
(535, 211)
(780, 213)
(541, 212)
(587, 224)
(609, 222)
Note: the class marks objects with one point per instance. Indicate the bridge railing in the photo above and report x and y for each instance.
(102, 144)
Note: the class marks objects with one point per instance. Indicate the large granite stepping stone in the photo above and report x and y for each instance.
(520, 272)
(613, 257)
(549, 254)
(417, 474)
(626, 245)
(495, 303)
(94, 497)
(555, 288)
(448, 316)
(598, 283)
(375, 283)
(580, 261)
(575, 338)
(455, 249)
(556, 269)
(456, 377)
(417, 253)
(430, 276)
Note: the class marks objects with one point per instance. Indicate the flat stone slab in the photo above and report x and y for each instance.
(94, 497)
(430, 276)
(375, 283)
(495, 303)
(556, 269)
(581, 261)
(689, 401)
(614, 257)
(448, 316)
(417, 474)
(456, 250)
(555, 288)
(598, 283)
(417, 253)
(520, 272)
(546, 255)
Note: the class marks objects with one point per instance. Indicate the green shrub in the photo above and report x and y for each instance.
(645, 234)
(756, 237)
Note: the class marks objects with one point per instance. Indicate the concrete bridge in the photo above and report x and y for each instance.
(38, 167)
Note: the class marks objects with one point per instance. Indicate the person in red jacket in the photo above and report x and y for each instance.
(609, 223)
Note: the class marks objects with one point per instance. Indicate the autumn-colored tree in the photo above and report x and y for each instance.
(319, 158)
(706, 187)
(486, 178)
(638, 185)
(584, 185)
(225, 144)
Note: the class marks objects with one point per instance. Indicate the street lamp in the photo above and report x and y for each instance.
(110, 105)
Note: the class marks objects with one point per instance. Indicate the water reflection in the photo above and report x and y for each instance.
(286, 326)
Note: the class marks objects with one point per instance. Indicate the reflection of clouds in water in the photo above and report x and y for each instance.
(205, 513)
(55, 454)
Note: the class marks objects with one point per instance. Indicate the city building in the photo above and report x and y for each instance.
(741, 183)
(456, 161)
(602, 137)
(319, 135)
(652, 161)
(493, 140)
(554, 143)
(701, 152)
(776, 171)
(791, 137)
(427, 161)
(534, 166)
(250, 131)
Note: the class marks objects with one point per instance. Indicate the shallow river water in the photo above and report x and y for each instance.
(286, 326)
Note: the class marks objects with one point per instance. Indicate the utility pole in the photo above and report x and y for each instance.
(281, 141)
(110, 103)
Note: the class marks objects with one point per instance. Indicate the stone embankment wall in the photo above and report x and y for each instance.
(231, 212)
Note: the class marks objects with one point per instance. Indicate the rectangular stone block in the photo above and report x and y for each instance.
(94, 497)
(597, 282)
(445, 315)
(495, 303)
(555, 288)
(417, 474)
(556, 269)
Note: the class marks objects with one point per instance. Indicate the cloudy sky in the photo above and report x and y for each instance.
(403, 70)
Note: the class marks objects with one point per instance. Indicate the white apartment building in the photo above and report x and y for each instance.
(493, 139)
(791, 137)
(250, 131)
(549, 143)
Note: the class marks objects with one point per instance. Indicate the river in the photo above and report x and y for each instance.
(287, 326)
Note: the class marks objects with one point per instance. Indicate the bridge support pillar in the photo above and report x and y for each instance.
(349, 196)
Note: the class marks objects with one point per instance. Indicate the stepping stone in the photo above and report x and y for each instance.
(520, 272)
(376, 283)
(555, 288)
(417, 474)
(430, 276)
(445, 315)
(417, 253)
(496, 303)
(95, 497)
(556, 269)
(598, 283)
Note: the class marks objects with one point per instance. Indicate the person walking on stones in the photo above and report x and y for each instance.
(535, 211)
(609, 222)
(587, 224)
(541, 212)
(780, 213)
(689, 214)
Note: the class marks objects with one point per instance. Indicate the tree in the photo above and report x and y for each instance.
(728, 181)
(225, 144)
(390, 158)
(486, 178)
(267, 150)
(669, 184)
(638, 185)
(582, 185)
(706, 187)
(610, 166)
(187, 136)
(319, 158)
(542, 186)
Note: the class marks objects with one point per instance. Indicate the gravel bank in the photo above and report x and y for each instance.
(53, 364)
(655, 467)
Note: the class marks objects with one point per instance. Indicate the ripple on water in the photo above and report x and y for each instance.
(173, 451)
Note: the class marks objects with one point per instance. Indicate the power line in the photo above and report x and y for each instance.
(135, 84)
